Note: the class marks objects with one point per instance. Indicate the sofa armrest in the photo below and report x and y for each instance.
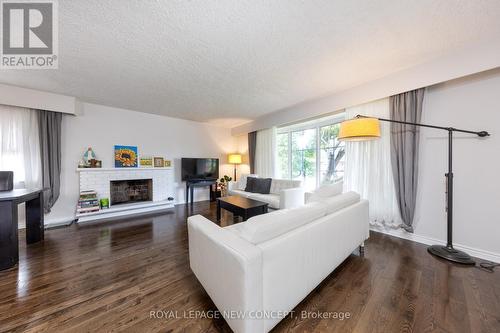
(291, 197)
(230, 270)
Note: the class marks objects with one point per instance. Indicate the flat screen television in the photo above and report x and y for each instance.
(199, 168)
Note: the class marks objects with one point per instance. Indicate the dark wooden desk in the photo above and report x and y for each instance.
(9, 245)
(240, 206)
(191, 184)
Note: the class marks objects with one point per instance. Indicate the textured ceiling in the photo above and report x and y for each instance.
(230, 61)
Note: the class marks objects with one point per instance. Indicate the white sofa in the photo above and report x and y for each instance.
(257, 271)
(284, 193)
(324, 192)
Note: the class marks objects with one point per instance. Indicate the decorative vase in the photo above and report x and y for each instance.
(223, 190)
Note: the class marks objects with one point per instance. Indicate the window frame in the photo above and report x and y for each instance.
(316, 125)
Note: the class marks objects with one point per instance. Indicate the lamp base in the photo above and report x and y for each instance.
(451, 254)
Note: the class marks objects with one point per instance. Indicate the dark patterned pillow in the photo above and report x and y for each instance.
(262, 185)
(250, 184)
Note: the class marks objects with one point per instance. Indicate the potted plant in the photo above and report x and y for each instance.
(223, 183)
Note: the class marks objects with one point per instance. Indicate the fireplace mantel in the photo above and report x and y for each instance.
(98, 179)
(120, 169)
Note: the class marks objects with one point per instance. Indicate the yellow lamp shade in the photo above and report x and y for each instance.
(359, 129)
(234, 159)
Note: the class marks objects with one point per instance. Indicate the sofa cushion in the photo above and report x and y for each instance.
(272, 199)
(326, 191)
(261, 228)
(338, 202)
(277, 185)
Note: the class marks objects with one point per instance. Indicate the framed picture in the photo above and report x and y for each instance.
(146, 162)
(168, 163)
(159, 162)
(125, 157)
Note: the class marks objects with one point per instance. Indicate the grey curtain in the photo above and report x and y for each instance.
(49, 124)
(404, 151)
(252, 143)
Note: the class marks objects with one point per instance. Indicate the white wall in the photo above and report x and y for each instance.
(102, 127)
(468, 103)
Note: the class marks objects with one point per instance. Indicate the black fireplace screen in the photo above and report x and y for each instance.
(128, 191)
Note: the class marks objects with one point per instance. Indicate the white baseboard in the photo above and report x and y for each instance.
(400, 233)
(131, 210)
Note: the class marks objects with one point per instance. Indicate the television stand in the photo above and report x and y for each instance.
(191, 184)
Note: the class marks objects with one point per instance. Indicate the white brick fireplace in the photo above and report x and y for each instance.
(99, 179)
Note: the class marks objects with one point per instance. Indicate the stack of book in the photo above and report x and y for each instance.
(88, 202)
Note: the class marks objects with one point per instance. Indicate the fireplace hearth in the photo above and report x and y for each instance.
(130, 191)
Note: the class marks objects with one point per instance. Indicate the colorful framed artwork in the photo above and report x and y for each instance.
(146, 162)
(125, 157)
(168, 163)
(158, 162)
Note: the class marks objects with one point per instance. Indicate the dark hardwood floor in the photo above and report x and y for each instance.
(108, 277)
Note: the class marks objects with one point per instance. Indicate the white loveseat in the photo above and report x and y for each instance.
(257, 271)
(284, 193)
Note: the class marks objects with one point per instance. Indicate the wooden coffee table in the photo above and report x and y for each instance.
(240, 206)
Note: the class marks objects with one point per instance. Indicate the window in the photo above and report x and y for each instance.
(311, 152)
(283, 169)
(303, 152)
(19, 145)
(331, 154)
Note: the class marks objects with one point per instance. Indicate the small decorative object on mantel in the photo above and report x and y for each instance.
(125, 157)
(159, 162)
(82, 164)
(89, 160)
(168, 163)
(104, 203)
(95, 163)
(146, 162)
(88, 156)
(223, 185)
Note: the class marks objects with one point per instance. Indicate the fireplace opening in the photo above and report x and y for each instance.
(129, 191)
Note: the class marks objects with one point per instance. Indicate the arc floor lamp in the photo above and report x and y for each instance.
(363, 128)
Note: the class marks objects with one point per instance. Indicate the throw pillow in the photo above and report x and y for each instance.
(326, 191)
(330, 190)
(250, 184)
(261, 228)
(341, 201)
(242, 181)
(262, 185)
